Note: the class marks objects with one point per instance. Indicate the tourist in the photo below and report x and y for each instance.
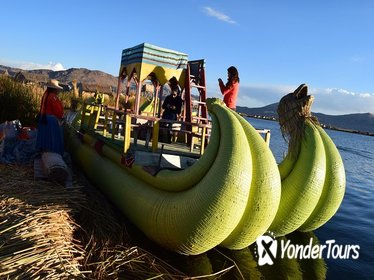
(231, 89)
(172, 107)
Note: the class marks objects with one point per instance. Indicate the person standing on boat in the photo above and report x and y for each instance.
(231, 89)
(172, 107)
(50, 134)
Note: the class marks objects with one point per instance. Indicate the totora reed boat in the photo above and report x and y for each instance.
(217, 181)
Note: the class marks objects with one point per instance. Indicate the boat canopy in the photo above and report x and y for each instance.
(145, 59)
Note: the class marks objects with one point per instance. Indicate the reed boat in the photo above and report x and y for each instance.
(217, 182)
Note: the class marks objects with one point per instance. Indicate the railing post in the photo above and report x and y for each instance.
(105, 122)
(97, 116)
(267, 137)
(92, 118)
(156, 126)
(202, 148)
(127, 133)
(114, 123)
(192, 142)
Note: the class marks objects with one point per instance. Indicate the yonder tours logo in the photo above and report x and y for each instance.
(269, 249)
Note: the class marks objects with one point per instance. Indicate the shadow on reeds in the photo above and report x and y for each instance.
(113, 234)
(49, 231)
(36, 228)
(115, 248)
(219, 263)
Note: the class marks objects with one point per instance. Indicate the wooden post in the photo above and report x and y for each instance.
(106, 121)
(91, 118)
(114, 123)
(192, 141)
(157, 89)
(127, 90)
(137, 96)
(127, 133)
(118, 90)
(202, 148)
(99, 107)
(156, 126)
(121, 77)
(188, 97)
(267, 137)
(160, 93)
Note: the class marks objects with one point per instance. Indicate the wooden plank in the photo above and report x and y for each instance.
(127, 134)
(156, 126)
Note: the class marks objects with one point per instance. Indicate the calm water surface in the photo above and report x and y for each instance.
(354, 221)
(353, 224)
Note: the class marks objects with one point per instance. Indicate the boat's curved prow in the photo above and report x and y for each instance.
(312, 173)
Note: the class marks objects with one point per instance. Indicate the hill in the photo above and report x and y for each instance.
(83, 76)
(363, 123)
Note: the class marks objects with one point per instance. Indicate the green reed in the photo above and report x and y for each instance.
(18, 101)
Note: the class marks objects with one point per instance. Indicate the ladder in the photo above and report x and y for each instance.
(195, 78)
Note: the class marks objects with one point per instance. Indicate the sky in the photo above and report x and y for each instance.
(275, 45)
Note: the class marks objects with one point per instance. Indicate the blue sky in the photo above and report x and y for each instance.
(276, 45)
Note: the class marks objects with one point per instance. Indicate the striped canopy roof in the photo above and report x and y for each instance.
(145, 59)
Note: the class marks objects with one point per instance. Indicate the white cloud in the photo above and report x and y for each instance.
(342, 101)
(57, 67)
(366, 95)
(333, 101)
(262, 95)
(346, 92)
(254, 103)
(32, 65)
(218, 15)
(356, 59)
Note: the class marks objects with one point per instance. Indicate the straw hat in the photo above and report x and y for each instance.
(53, 84)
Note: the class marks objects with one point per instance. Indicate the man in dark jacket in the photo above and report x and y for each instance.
(172, 107)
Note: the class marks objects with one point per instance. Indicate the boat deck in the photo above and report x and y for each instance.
(141, 145)
(142, 136)
(175, 155)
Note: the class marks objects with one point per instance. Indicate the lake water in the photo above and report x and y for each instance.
(353, 224)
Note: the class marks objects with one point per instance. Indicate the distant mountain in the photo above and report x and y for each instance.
(355, 122)
(98, 79)
(85, 76)
(269, 111)
(363, 123)
(82, 75)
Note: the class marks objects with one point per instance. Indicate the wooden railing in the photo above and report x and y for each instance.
(121, 122)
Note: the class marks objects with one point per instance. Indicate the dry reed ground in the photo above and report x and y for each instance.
(50, 231)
